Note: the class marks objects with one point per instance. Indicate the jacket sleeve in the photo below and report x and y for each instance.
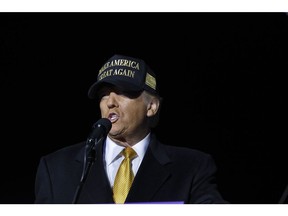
(204, 190)
(43, 189)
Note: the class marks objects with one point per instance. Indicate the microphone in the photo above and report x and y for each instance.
(100, 129)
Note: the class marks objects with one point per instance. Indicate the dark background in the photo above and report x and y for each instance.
(222, 77)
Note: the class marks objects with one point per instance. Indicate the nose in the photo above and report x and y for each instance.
(112, 100)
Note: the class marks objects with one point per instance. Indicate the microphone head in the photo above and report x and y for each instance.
(105, 124)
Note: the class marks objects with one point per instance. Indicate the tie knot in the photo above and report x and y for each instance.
(129, 153)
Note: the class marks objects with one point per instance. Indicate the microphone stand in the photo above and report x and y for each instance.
(89, 159)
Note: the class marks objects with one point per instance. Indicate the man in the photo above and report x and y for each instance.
(126, 89)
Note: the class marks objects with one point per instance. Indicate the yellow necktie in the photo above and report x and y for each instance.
(124, 176)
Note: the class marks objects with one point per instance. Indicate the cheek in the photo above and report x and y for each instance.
(103, 107)
(139, 110)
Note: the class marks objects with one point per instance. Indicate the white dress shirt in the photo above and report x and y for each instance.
(113, 157)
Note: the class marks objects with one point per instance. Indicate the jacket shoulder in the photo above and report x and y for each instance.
(66, 153)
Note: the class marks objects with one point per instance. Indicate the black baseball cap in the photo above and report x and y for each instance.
(126, 73)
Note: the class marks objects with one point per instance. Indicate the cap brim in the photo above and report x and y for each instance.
(120, 84)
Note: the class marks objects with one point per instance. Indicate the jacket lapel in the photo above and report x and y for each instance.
(97, 189)
(151, 175)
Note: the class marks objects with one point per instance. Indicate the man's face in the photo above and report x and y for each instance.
(127, 112)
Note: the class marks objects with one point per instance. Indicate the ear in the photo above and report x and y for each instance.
(153, 106)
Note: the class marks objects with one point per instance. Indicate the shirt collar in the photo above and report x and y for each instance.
(112, 150)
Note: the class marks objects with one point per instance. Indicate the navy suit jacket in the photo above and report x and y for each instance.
(167, 174)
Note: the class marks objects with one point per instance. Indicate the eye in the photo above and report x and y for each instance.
(103, 93)
(130, 94)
